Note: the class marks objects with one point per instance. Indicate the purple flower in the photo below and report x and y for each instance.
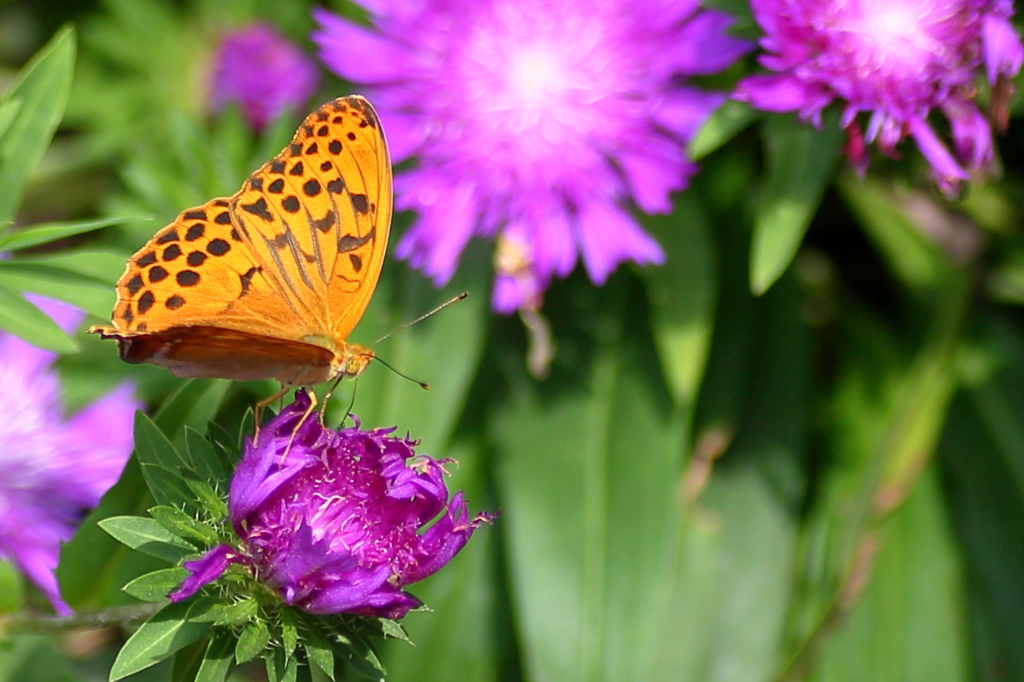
(540, 122)
(896, 61)
(263, 73)
(334, 520)
(52, 469)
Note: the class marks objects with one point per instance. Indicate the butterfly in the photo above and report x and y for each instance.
(268, 283)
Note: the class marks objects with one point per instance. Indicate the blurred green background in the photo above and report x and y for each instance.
(820, 481)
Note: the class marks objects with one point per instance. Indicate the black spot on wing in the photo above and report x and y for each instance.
(169, 236)
(174, 302)
(195, 232)
(359, 203)
(246, 279)
(327, 223)
(357, 262)
(218, 247)
(146, 302)
(157, 273)
(194, 214)
(134, 285)
(259, 209)
(188, 278)
(223, 218)
(290, 204)
(171, 252)
(196, 258)
(351, 242)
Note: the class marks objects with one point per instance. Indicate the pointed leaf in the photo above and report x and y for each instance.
(219, 659)
(156, 585)
(146, 535)
(726, 121)
(158, 638)
(35, 235)
(253, 640)
(42, 88)
(24, 320)
(800, 162)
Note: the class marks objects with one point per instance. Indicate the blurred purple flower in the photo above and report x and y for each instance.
(263, 73)
(52, 470)
(898, 61)
(333, 520)
(534, 120)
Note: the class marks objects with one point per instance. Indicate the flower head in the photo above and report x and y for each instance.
(334, 520)
(897, 62)
(540, 121)
(52, 469)
(262, 72)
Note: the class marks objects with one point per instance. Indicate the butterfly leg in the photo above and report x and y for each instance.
(327, 397)
(259, 407)
(305, 416)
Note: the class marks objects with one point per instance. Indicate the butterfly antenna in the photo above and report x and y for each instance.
(422, 384)
(422, 317)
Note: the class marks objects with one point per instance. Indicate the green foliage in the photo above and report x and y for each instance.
(793, 452)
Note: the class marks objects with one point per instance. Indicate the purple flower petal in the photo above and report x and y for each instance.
(205, 570)
(52, 469)
(337, 523)
(893, 63)
(518, 119)
(609, 237)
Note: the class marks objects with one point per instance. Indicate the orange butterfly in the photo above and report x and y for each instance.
(268, 284)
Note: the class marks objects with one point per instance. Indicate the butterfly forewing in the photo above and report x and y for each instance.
(197, 270)
(313, 214)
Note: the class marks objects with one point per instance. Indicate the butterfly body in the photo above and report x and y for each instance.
(268, 283)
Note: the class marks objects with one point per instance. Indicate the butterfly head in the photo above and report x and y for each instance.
(351, 360)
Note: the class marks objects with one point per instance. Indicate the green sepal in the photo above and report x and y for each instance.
(281, 668)
(358, 652)
(393, 629)
(148, 537)
(318, 649)
(156, 585)
(225, 443)
(289, 630)
(239, 612)
(183, 525)
(253, 640)
(209, 499)
(219, 658)
(160, 637)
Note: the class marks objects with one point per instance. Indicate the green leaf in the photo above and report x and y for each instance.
(603, 461)
(361, 657)
(726, 121)
(281, 668)
(252, 641)
(153, 447)
(100, 266)
(42, 89)
(289, 630)
(146, 535)
(8, 111)
(24, 320)
(85, 293)
(800, 160)
(209, 500)
(318, 650)
(168, 488)
(158, 638)
(35, 235)
(219, 659)
(205, 460)
(910, 616)
(240, 612)
(156, 585)
(183, 525)
(682, 296)
(194, 404)
(187, 660)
